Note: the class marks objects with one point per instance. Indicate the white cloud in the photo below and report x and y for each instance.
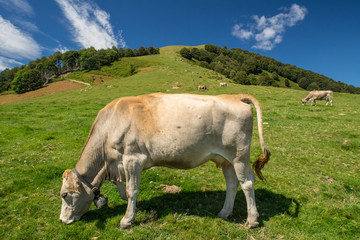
(15, 43)
(61, 49)
(237, 31)
(268, 32)
(20, 6)
(29, 26)
(90, 25)
(8, 63)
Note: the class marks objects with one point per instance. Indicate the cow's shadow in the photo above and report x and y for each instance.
(202, 204)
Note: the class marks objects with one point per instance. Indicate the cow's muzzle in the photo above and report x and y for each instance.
(69, 221)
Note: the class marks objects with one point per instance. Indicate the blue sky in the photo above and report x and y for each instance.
(318, 35)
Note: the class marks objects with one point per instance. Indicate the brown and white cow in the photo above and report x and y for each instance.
(319, 95)
(183, 131)
(202, 87)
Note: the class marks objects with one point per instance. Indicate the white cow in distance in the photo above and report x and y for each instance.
(182, 131)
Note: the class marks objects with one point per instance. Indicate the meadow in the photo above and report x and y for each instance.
(313, 178)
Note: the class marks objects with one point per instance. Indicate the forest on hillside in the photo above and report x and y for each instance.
(249, 68)
(38, 72)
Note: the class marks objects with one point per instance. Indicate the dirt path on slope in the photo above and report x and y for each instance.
(51, 88)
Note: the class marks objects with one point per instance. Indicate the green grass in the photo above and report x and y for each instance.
(313, 178)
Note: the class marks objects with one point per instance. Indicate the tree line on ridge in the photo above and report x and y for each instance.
(249, 68)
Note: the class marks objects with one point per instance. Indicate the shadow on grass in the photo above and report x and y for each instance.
(202, 204)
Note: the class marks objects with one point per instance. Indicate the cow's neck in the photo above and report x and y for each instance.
(92, 161)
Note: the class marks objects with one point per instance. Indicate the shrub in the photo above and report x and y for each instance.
(287, 83)
(185, 53)
(27, 80)
(242, 78)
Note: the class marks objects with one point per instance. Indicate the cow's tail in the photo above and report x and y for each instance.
(265, 157)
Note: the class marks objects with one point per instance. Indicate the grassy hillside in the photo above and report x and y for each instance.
(313, 177)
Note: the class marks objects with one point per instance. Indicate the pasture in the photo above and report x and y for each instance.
(313, 178)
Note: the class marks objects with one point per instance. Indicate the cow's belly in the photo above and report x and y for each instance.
(188, 161)
(187, 151)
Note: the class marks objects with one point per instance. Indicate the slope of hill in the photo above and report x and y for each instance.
(312, 191)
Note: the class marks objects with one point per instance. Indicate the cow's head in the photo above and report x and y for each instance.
(304, 101)
(76, 199)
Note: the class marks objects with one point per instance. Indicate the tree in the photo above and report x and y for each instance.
(252, 79)
(265, 80)
(313, 86)
(185, 53)
(142, 51)
(121, 52)
(195, 53)
(213, 49)
(132, 69)
(27, 80)
(116, 51)
(106, 56)
(275, 76)
(287, 83)
(136, 52)
(217, 67)
(46, 67)
(71, 59)
(153, 51)
(6, 77)
(241, 77)
(129, 53)
(31, 65)
(89, 59)
(304, 82)
(57, 61)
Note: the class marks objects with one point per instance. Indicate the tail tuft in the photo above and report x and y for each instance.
(260, 163)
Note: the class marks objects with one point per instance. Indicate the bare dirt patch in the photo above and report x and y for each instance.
(99, 79)
(51, 88)
(169, 189)
(146, 69)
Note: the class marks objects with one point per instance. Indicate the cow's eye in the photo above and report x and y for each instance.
(63, 195)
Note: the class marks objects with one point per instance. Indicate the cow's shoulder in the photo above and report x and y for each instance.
(129, 104)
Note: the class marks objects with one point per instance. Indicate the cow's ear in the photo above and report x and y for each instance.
(66, 173)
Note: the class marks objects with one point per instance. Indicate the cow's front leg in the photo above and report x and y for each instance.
(133, 168)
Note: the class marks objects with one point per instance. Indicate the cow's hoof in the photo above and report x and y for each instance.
(224, 215)
(251, 225)
(124, 225)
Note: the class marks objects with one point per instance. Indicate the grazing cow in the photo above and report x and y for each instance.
(222, 84)
(182, 131)
(319, 95)
(202, 87)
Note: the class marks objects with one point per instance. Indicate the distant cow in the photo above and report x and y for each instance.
(222, 84)
(182, 131)
(319, 95)
(202, 87)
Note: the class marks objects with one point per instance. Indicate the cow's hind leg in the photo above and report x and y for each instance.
(247, 179)
(133, 168)
(232, 185)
